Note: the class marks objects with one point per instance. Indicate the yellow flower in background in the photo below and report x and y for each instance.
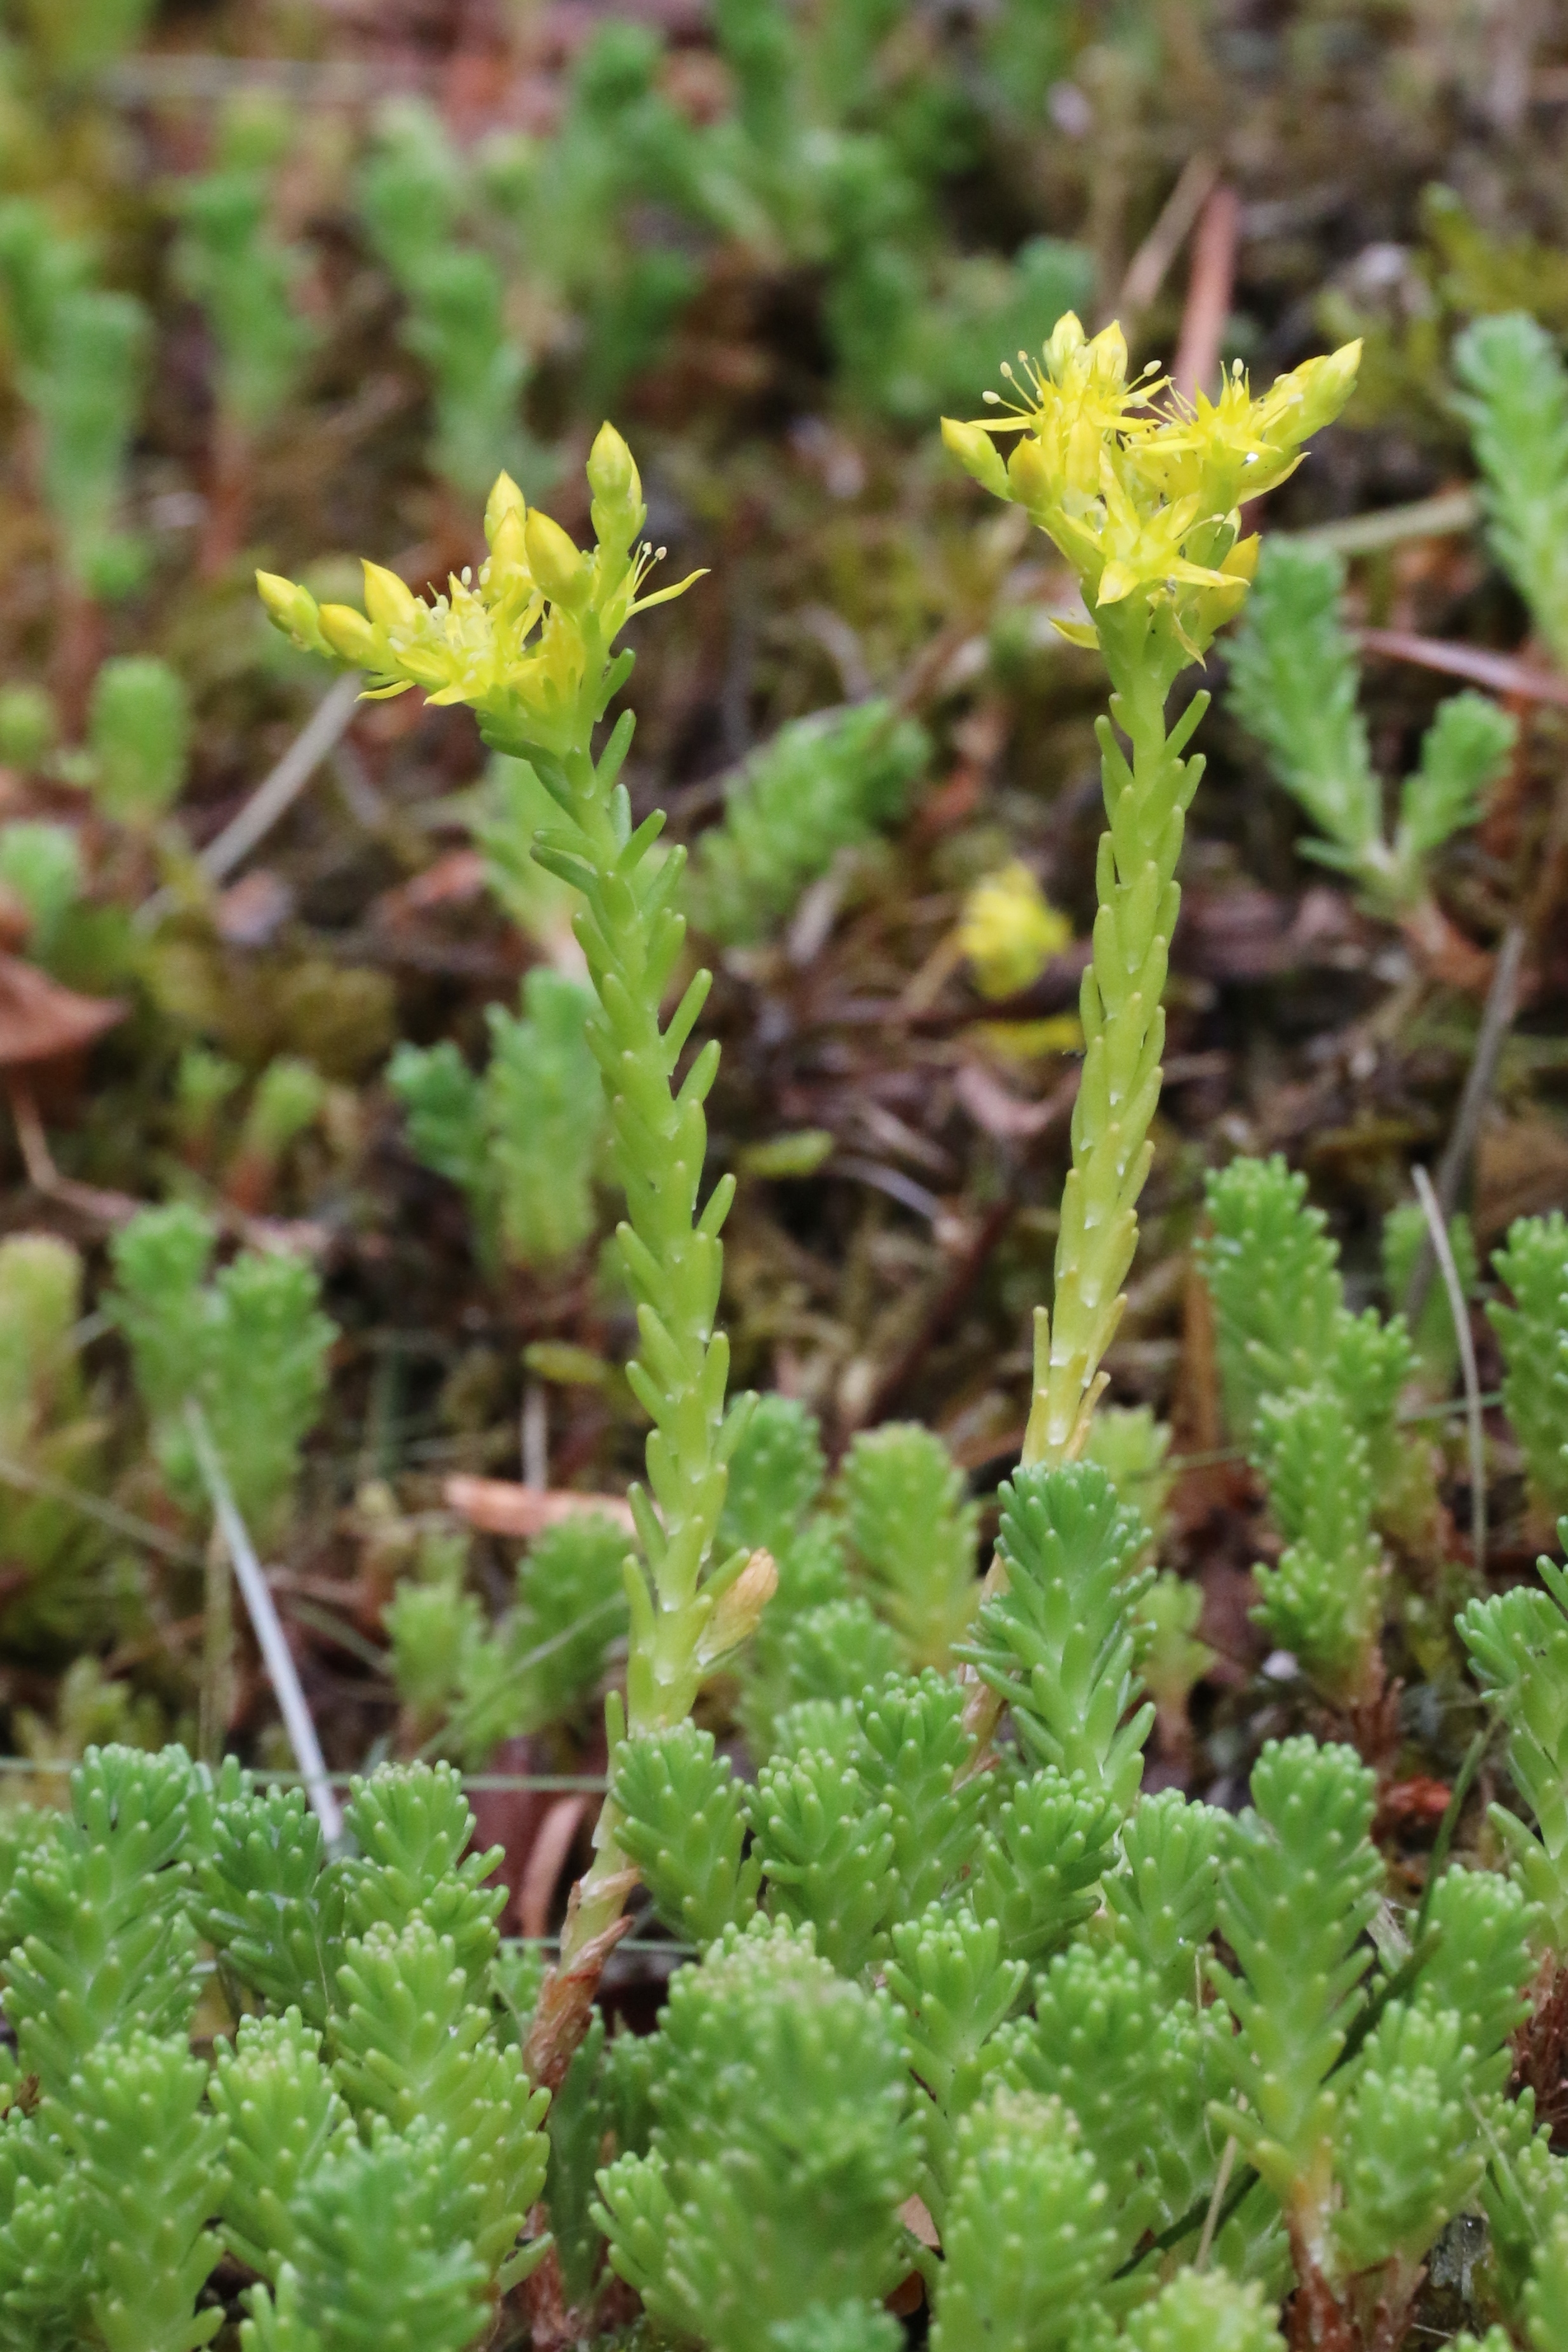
(1010, 931)
(524, 643)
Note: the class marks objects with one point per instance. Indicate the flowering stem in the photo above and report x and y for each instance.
(631, 936)
(530, 647)
(1147, 802)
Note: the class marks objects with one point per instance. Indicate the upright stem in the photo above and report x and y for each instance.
(632, 935)
(1147, 802)
(1124, 1031)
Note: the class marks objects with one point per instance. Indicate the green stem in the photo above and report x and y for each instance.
(1124, 1031)
(632, 935)
(1146, 801)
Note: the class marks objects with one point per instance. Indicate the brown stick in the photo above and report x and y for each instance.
(500, 1506)
(1504, 673)
(1147, 270)
(1209, 292)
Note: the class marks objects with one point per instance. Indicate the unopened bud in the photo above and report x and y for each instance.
(1241, 563)
(505, 499)
(554, 561)
(289, 607)
(612, 474)
(389, 602)
(350, 635)
(1326, 384)
(1028, 477)
(977, 453)
(509, 550)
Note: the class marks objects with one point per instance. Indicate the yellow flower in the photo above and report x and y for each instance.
(1139, 489)
(1010, 931)
(526, 642)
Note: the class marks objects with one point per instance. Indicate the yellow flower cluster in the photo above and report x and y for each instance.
(525, 644)
(1139, 489)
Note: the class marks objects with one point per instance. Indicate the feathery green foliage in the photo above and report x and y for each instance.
(1029, 2238)
(780, 2150)
(914, 1535)
(522, 1140)
(467, 1686)
(415, 193)
(78, 352)
(230, 259)
(1126, 2067)
(1294, 684)
(139, 730)
(47, 1428)
(1534, 1337)
(826, 1848)
(248, 1345)
(1515, 396)
(1299, 1884)
(821, 786)
(1324, 1598)
(953, 1988)
(685, 1827)
(1198, 2311)
(1058, 1641)
(1433, 1338)
(1041, 1865)
(374, 2166)
(1518, 1643)
(1163, 1894)
(1281, 1324)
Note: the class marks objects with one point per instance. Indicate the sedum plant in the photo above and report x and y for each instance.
(415, 193)
(1514, 392)
(229, 257)
(913, 1535)
(933, 2006)
(1143, 503)
(137, 738)
(1294, 684)
(365, 2143)
(530, 645)
(821, 786)
(247, 1345)
(467, 1684)
(1518, 1643)
(50, 1432)
(1533, 1333)
(78, 352)
(521, 1141)
(1281, 1324)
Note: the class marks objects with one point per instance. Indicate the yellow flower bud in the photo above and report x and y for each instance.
(977, 453)
(505, 499)
(390, 603)
(554, 561)
(1326, 384)
(350, 635)
(289, 607)
(1241, 562)
(1066, 341)
(612, 475)
(508, 550)
(1029, 476)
